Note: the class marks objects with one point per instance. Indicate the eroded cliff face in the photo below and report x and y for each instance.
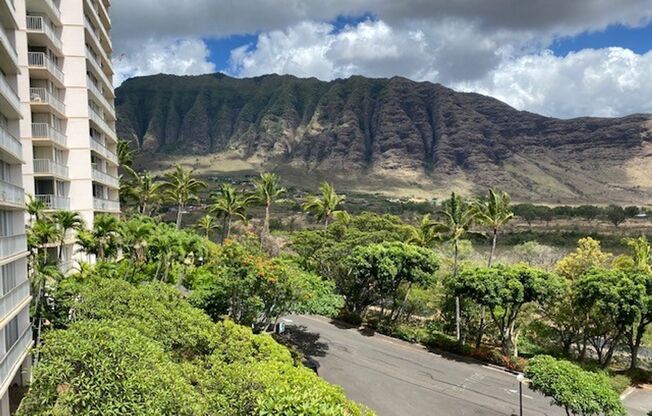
(421, 134)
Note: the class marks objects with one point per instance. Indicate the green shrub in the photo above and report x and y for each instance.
(571, 387)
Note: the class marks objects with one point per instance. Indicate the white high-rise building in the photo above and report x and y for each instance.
(57, 143)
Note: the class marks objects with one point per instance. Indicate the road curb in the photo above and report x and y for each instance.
(422, 346)
(627, 392)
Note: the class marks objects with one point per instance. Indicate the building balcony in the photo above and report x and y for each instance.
(8, 8)
(15, 297)
(39, 26)
(9, 101)
(95, 16)
(12, 245)
(106, 205)
(39, 61)
(46, 7)
(11, 145)
(103, 126)
(97, 40)
(96, 67)
(46, 167)
(8, 54)
(54, 201)
(43, 131)
(105, 178)
(103, 151)
(100, 98)
(15, 355)
(39, 97)
(11, 195)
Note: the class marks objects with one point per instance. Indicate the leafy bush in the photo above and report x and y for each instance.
(571, 387)
(108, 369)
(144, 350)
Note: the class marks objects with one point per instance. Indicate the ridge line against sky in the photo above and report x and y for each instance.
(554, 57)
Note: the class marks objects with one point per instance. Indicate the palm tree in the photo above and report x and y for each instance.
(493, 212)
(458, 218)
(43, 276)
(67, 220)
(182, 188)
(325, 206)
(135, 235)
(267, 190)
(106, 229)
(35, 208)
(227, 204)
(427, 234)
(207, 224)
(125, 154)
(143, 189)
(40, 234)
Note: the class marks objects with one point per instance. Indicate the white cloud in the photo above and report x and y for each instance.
(371, 48)
(598, 82)
(182, 57)
(603, 82)
(496, 47)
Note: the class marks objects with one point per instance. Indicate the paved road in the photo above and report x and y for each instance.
(395, 378)
(639, 401)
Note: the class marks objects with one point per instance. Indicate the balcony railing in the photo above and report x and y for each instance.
(37, 24)
(95, 14)
(106, 205)
(53, 7)
(96, 38)
(90, 56)
(43, 96)
(99, 120)
(4, 39)
(14, 297)
(49, 167)
(45, 131)
(41, 60)
(10, 144)
(9, 93)
(100, 97)
(12, 245)
(11, 194)
(105, 178)
(54, 201)
(103, 151)
(11, 360)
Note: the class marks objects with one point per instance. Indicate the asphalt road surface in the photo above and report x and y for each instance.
(395, 378)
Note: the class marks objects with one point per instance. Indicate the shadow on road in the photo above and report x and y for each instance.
(305, 341)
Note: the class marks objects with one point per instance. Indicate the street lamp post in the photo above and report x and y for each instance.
(521, 379)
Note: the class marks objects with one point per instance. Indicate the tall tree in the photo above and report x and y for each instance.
(105, 234)
(492, 212)
(35, 208)
(125, 154)
(324, 206)
(207, 224)
(182, 188)
(142, 188)
(458, 219)
(267, 190)
(229, 204)
(427, 233)
(66, 221)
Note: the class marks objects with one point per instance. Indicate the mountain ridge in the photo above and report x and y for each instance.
(367, 132)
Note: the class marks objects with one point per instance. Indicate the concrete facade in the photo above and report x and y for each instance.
(57, 144)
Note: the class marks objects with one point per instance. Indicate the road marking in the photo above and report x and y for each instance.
(627, 392)
(510, 391)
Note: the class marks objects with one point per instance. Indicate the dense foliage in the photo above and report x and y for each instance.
(126, 349)
(578, 391)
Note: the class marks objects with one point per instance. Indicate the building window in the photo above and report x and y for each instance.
(8, 275)
(11, 333)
